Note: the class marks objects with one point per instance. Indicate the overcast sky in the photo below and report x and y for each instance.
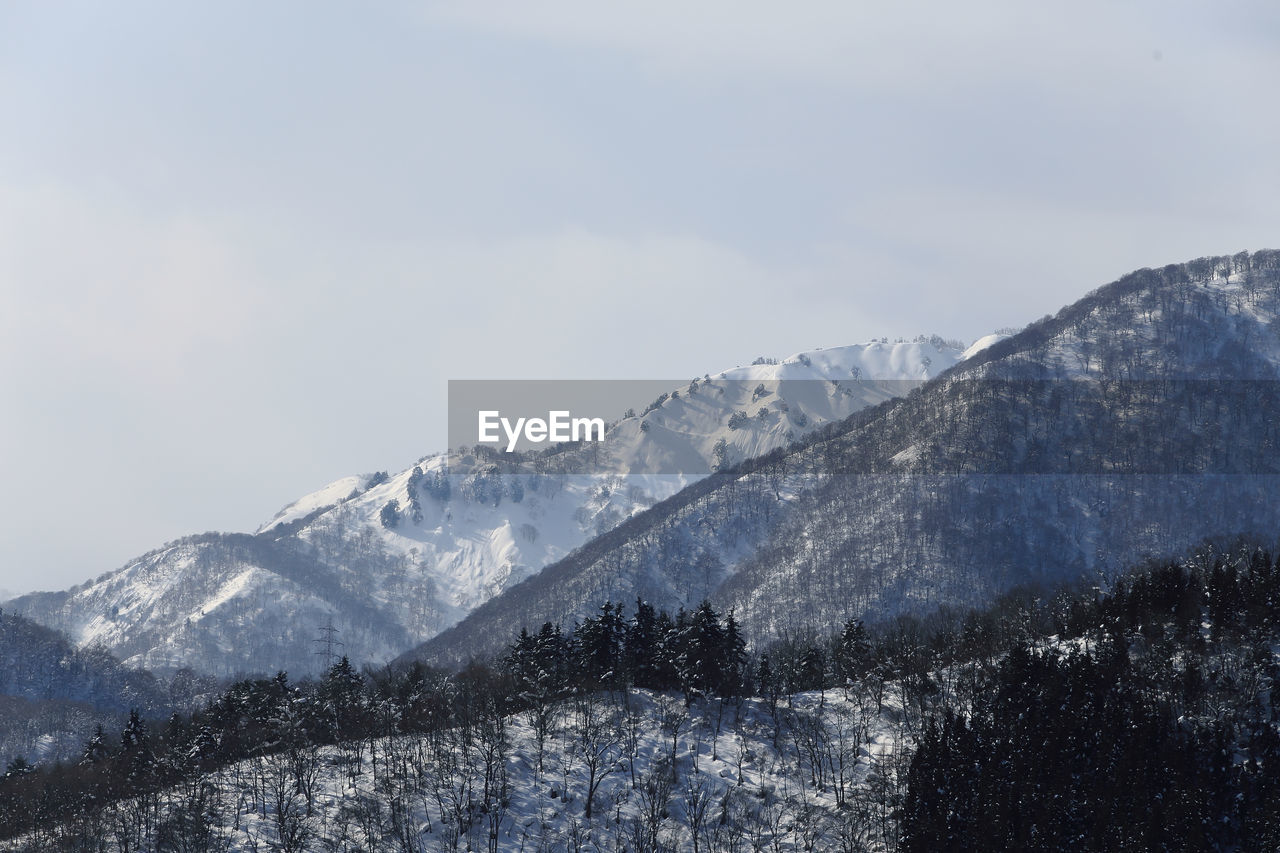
(243, 246)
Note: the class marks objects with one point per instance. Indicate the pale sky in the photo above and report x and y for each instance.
(243, 246)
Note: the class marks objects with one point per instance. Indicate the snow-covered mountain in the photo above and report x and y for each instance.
(1137, 420)
(390, 561)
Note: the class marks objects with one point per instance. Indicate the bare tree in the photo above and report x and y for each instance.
(697, 805)
(597, 739)
(293, 827)
(655, 796)
(633, 720)
(672, 718)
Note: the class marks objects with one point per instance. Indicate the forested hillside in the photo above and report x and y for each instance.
(1134, 719)
(51, 692)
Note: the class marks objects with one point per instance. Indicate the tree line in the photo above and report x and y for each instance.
(1119, 719)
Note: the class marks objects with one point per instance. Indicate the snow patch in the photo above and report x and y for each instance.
(225, 593)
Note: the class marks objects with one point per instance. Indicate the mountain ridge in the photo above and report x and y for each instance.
(461, 528)
(896, 506)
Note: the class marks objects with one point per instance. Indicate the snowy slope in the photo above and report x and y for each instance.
(329, 496)
(1136, 420)
(804, 775)
(469, 527)
(474, 544)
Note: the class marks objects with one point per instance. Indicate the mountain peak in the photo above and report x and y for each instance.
(390, 559)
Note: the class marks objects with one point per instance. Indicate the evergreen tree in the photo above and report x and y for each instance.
(643, 643)
(704, 652)
(344, 701)
(600, 643)
(667, 675)
(735, 680)
(18, 767)
(95, 749)
(811, 672)
(138, 761)
(851, 657)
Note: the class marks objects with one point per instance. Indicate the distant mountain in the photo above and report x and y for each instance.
(1139, 419)
(389, 561)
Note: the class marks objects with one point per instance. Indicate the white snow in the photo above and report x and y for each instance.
(328, 496)
(753, 768)
(233, 587)
(980, 344)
